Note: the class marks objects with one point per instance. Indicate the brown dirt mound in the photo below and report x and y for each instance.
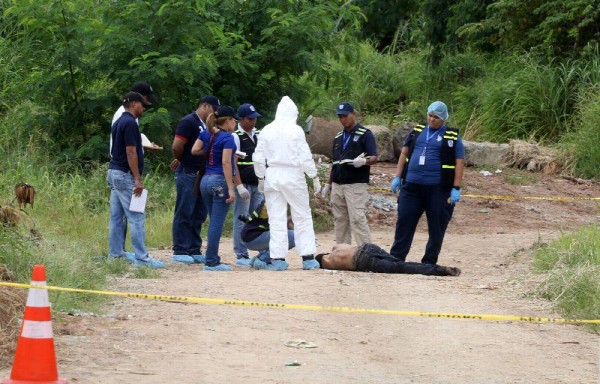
(12, 303)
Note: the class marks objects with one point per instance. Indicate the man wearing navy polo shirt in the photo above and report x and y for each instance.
(125, 180)
(354, 150)
(190, 210)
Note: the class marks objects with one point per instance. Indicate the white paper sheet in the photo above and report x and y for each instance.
(138, 203)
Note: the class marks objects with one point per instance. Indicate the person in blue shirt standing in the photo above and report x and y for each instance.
(124, 178)
(190, 210)
(428, 177)
(217, 184)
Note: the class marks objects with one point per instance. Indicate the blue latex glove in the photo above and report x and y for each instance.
(396, 184)
(454, 196)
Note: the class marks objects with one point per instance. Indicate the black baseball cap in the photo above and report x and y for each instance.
(136, 96)
(225, 111)
(144, 89)
(212, 100)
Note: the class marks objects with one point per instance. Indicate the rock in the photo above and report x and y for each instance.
(399, 136)
(482, 154)
(383, 138)
(320, 138)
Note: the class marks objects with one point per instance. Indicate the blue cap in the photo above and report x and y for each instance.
(439, 109)
(212, 100)
(344, 109)
(247, 110)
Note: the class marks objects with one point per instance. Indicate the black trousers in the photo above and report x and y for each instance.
(414, 199)
(371, 258)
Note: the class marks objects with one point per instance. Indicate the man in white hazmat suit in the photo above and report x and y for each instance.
(281, 159)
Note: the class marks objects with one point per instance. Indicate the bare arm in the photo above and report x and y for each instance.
(402, 161)
(132, 160)
(198, 148)
(459, 171)
(237, 179)
(371, 160)
(226, 160)
(177, 147)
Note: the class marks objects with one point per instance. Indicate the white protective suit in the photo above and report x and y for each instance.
(282, 157)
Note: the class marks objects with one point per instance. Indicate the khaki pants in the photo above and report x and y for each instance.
(349, 206)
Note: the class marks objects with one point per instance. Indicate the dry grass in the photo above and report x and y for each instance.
(12, 305)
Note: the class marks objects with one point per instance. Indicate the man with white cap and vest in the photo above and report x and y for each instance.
(354, 151)
(281, 159)
(248, 197)
(190, 210)
(428, 176)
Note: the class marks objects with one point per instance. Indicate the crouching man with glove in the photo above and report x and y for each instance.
(354, 150)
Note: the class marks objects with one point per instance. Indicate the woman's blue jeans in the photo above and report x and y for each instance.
(214, 194)
(121, 190)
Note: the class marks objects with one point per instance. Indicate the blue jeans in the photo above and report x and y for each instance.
(121, 189)
(246, 208)
(414, 199)
(190, 214)
(261, 243)
(214, 193)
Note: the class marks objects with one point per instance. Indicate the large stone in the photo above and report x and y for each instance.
(321, 135)
(482, 154)
(399, 136)
(383, 139)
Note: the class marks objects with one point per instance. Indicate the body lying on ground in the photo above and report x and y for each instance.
(371, 258)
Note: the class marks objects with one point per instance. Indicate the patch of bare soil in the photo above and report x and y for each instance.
(142, 341)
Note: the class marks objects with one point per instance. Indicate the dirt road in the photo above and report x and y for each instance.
(140, 341)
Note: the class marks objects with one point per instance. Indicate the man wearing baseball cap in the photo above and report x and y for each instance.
(354, 150)
(125, 180)
(143, 89)
(147, 93)
(248, 197)
(190, 210)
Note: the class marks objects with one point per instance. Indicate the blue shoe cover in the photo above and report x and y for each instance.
(275, 265)
(149, 262)
(310, 264)
(183, 259)
(130, 256)
(243, 262)
(199, 259)
(218, 267)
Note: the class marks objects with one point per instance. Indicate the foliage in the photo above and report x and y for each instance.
(584, 143)
(572, 265)
(76, 58)
(521, 98)
(553, 28)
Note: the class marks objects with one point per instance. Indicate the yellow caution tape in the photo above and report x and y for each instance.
(496, 197)
(240, 303)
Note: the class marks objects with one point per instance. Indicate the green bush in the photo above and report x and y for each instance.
(572, 267)
(583, 143)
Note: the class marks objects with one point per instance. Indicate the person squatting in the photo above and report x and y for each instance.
(214, 143)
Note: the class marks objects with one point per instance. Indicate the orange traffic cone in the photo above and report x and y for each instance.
(35, 360)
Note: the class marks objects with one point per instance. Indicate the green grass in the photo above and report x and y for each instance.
(571, 266)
